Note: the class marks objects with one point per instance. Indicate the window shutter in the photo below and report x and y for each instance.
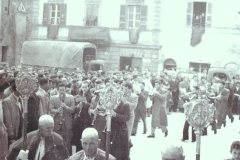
(144, 11)
(209, 15)
(46, 14)
(189, 13)
(63, 13)
(123, 16)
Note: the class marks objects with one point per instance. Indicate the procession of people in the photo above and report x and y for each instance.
(66, 117)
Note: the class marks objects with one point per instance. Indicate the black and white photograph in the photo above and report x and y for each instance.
(119, 79)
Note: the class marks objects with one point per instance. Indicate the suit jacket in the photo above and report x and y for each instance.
(132, 101)
(44, 101)
(142, 99)
(174, 85)
(52, 143)
(12, 116)
(100, 155)
(55, 103)
(88, 95)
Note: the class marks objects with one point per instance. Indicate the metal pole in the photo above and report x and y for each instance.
(198, 138)
(108, 135)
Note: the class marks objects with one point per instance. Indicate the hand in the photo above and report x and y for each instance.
(23, 155)
(63, 105)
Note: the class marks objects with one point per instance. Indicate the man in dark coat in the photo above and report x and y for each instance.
(235, 101)
(229, 106)
(33, 112)
(42, 144)
(175, 92)
(119, 132)
(140, 111)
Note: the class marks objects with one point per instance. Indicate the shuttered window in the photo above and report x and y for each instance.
(92, 14)
(209, 15)
(54, 14)
(133, 16)
(189, 13)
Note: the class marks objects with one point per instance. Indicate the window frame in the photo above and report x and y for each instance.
(57, 10)
(98, 14)
(134, 18)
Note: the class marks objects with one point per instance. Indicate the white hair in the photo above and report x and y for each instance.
(45, 119)
(90, 132)
(173, 152)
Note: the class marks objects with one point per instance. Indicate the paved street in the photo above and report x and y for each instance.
(213, 147)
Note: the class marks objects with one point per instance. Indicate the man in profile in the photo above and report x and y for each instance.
(173, 152)
(90, 142)
(42, 144)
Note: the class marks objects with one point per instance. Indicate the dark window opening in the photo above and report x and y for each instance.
(199, 14)
(4, 53)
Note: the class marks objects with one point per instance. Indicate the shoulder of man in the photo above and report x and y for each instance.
(101, 155)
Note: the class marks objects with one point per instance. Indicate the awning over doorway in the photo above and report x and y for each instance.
(99, 35)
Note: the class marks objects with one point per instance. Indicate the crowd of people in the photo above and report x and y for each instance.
(65, 114)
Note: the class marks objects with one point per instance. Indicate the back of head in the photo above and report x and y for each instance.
(173, 152)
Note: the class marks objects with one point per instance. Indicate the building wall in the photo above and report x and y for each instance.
(109, 16)
(217, 41)
(17, 27)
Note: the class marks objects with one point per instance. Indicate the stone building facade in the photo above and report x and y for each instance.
(126, 32)
(205, 31)
(18, 19)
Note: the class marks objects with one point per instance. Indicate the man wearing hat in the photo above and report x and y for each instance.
(43, 96)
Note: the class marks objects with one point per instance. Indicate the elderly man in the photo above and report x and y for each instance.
(90, 142)
(172, 152)
(42, 144)
(61, 107)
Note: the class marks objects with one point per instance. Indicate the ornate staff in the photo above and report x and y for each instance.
(26, 84)
(199, 115)
(111, 98)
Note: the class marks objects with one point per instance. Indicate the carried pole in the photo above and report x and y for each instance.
(26, 84)
(199, 114)
(110, 98)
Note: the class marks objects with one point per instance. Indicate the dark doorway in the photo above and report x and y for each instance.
(89, 54)
(125, 63)
(4, 53)
(170, 64)
(199, 14)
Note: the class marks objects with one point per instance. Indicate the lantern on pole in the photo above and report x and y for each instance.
(199, 114)
(26, 84)
(110, 97)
